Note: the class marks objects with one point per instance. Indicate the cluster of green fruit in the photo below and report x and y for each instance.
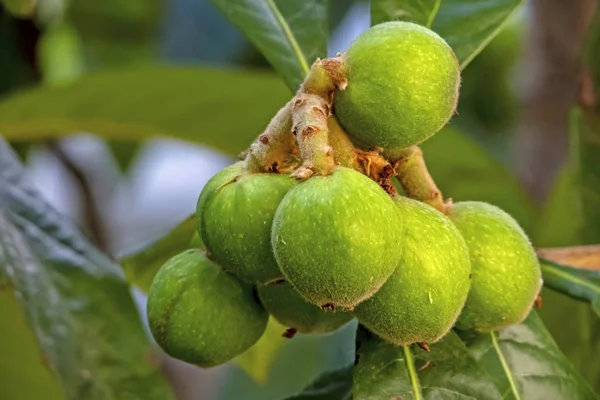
(316, 253)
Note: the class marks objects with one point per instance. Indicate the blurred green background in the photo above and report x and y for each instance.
(125, 190)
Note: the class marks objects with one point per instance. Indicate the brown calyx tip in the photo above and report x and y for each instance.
(328, 307)
(289, 333)
(538, 302)
(274, 167)
(424, 346)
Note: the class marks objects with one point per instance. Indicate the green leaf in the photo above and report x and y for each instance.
(22, 371)
(258, 359)
(467, 25)
(74, 297)
(385, 371)
(526, 363)
(222, 109)
(330, 385)
(141, 265)
(417, 11)
(580, 283)
(20, 8)
(290, 34)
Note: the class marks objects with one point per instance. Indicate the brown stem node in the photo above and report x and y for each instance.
(275, 148)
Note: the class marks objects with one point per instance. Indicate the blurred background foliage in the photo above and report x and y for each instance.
(130, 186)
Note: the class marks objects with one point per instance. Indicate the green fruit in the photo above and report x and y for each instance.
(403, 82)
(336, 238)
(236, 225)
(423, 297)
(222, 177)
(506, 273)
(200, 314)
(290, 309)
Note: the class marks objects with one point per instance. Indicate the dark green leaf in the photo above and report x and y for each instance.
(74, 297)
(526, 363)
(330, 385)
(223, 109)
(417, 11)
(20, 8)
(467, 25)
(448, 371)
(579, 283)
(141, 266)
(290, 34)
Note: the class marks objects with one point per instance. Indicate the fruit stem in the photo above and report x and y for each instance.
(311, 108)
(415, 178)
(275, 149)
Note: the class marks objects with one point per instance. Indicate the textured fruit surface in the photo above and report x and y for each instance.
(200, 314)
(222, 177)
(337, 238)
(423, 297)
(506, 273)
(291, 310)
(236, 225)
(403, 82)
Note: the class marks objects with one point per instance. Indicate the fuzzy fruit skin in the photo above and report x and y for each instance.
(336, 238)
(506, 273)
(290, 309)
(424, 296)
(200, 314)
(236, 225)
(403, 83)
(222, 177)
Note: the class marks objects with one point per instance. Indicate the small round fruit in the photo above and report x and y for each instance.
(222, 177)
(403, 83)
(236, 225)
(506, 273)
(336, 238)
(200, 314)
(423, 298)
(290, 309)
